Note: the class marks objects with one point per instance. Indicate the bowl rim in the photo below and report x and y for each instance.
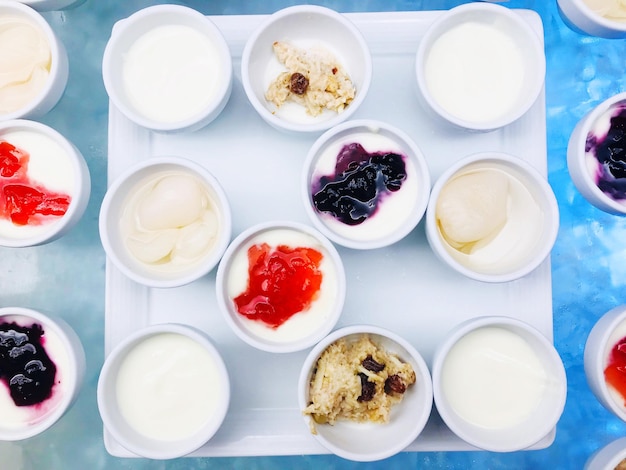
(59, 66)
(74, 374)
(108, 374)
(422, 373)
(222, 94)
(199, 269)
(591, 16)
(224, 302)
(81, 190)
(550, 354)
(552, 228)
(534, 42)
(320, 126)
(413, 153)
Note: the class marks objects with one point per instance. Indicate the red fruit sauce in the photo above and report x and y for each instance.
(615, 371)
(22, 200)
(282, 282)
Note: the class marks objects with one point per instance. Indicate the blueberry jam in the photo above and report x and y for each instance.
(361, 181)
(610, 151)
(24, 364)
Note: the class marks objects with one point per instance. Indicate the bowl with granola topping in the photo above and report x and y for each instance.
(365, 393)
(306, 68)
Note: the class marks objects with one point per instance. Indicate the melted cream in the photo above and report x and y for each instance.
(25, 62)
(610, 9)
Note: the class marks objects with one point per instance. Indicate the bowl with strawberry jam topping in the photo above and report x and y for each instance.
(44, 184)
(605, 360)
(42, 364)
(281, 286)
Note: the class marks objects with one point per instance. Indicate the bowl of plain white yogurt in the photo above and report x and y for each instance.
(365, 184)
(498, 383)
(45, 184)
(605, 360)
(281, 286)
(306, 68)
(168, 68)
(164, 391)
(42, 366)
(492, 217)
(480, 66)
(602, 18)
(34, 66)
(165, 222)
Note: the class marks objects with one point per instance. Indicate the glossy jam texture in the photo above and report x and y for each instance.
(24, 201)
(605, 152)
(615, 370)
(25, 367)
(283, 281)
(360, 183)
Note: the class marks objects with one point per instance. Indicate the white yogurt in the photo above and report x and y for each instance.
(25, 61)
(171, 73)
(170, 221)
(48, 167)
(488, 219)
(475, 72)
(20, 416)
(394, 206)
(614, 10)
(303, 323)
(492, 378)
(166, 387)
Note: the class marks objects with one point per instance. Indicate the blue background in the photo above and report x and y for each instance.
(67, 276)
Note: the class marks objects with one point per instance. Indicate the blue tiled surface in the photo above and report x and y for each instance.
(67, 276)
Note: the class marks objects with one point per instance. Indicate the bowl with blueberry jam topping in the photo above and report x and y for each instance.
(596, 156)
(42, 364)
(366, 184)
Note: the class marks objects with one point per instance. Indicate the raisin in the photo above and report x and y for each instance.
(370, 364)
(368, 389)
(394, 384)
(298, 83)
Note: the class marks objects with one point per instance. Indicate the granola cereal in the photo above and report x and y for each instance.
(358, 381)
(314, 79)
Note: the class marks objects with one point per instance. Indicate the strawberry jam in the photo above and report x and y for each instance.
(615, 371)
(22, 200)
(282, 281)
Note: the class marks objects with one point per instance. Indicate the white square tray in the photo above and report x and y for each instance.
(403, 287)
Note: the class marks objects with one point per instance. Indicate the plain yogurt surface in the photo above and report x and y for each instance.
(20, 416)
(475, 72)
(25, 61)
(167, 387)
(488, 220)
(49, 165)
(302, 324)
(394, 206)
(492, 378)
(171, 73)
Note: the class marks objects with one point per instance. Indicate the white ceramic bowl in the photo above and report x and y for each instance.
(502, 412)
(608, 331)
(190, 84)
(145, 270)
(49, 5)
(307, 27)
(167, 389)
(580, 17)
(397, 212)
(48, 94)
(608, 457)
(373, 441)
(57, 169)
(303, 328)
(480, 66)
(509, 251)
(64, 349)
(584, 167)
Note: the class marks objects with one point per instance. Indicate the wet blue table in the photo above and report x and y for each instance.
(67, 276)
